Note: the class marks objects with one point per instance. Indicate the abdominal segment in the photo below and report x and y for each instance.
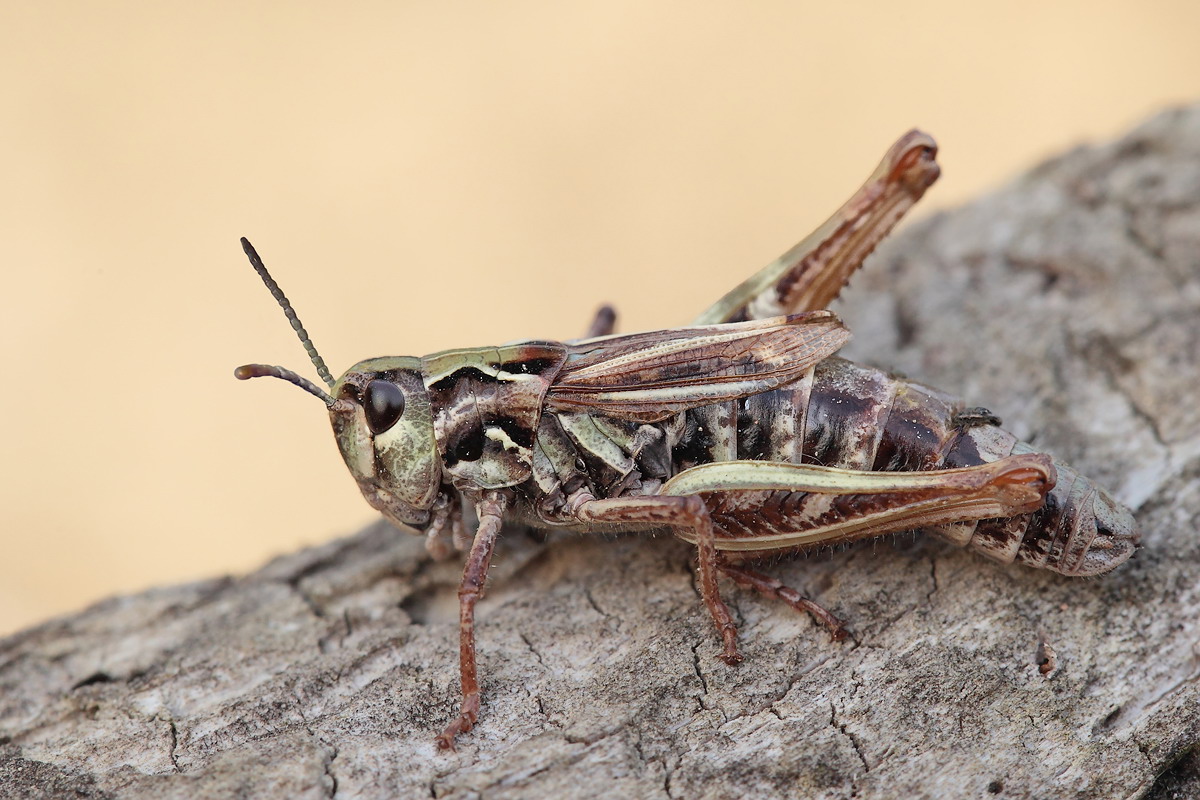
(846, 415)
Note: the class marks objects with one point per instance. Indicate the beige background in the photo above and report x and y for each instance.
(421, 176)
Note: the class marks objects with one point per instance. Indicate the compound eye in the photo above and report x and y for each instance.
(383, 403)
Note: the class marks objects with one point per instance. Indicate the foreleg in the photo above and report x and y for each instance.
(491, 517)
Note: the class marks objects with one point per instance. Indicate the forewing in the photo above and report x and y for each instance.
(649, 376)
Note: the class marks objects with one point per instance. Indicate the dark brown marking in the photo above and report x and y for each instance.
(695, 446)
(1000, 538)
(915, 432)
(832, 418)
(654, 457)
(753, 440)
(529, 366)
(1039, 535)
(963, 452)
(974, 417)
(847, 406)
(467, 445)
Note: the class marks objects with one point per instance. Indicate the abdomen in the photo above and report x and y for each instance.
(846, 415)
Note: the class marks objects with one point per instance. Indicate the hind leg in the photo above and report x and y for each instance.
(764, 507)
(812, 273)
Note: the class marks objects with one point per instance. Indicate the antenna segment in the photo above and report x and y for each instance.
(248, 371)
(290, 313)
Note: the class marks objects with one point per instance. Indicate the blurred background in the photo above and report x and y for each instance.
(428, 175)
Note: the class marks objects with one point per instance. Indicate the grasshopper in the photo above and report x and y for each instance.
(742, 434)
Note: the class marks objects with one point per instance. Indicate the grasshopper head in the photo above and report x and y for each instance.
(381, 419)
(384, 427)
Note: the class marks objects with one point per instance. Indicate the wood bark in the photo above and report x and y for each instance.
(1067, 302)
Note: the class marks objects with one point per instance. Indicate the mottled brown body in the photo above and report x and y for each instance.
(839, 414)
(741, 434)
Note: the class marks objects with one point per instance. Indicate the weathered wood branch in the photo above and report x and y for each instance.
(1068, 302)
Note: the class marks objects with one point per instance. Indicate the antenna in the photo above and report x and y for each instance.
(248, 371)
(290, 313)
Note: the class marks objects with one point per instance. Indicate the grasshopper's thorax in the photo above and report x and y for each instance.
(407, 426)
(486, 405)
(383, 423)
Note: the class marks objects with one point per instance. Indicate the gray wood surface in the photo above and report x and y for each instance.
(1068, 302)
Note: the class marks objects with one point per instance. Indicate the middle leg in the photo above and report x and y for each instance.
(685, 514)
